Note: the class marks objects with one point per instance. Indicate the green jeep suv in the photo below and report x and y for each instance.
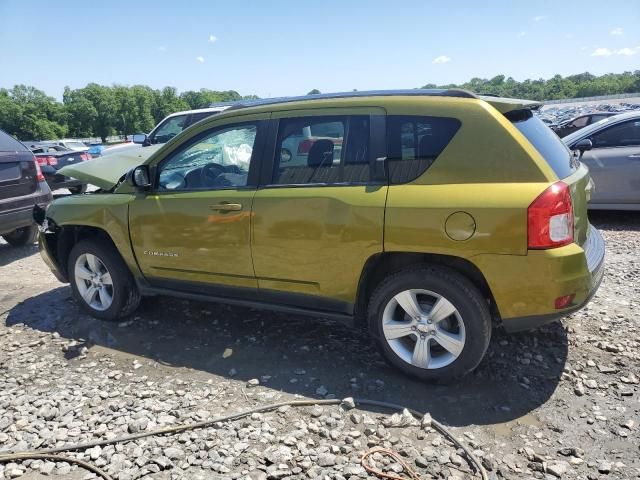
(425, 216)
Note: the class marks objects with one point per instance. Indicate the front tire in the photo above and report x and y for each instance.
(78, 189)
(430, 322)
(101, 282)
(22, 236)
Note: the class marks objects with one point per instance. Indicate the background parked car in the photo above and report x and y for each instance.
(51, 158)
(71, 144)
(175, 123)
(577, 123)
(613, 160)
(22, 186)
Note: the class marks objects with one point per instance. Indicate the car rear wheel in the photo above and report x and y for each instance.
(430, 322)
(22, 236)
(101, 282)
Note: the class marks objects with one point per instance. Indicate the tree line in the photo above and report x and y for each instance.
(555, 88)
(102, 111)
(96, 110)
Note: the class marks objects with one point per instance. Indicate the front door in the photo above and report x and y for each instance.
(192, 232)
(320, 214)
(614, 164)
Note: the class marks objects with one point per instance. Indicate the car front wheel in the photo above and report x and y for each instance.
(101, 282)
(430, 322)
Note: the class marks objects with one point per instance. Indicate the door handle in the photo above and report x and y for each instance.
(226, 207)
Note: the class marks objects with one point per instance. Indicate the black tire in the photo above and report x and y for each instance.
(22, 236)
(460, 292)
(78, 190)
(126, 296)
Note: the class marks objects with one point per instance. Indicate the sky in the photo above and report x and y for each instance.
(287, 47)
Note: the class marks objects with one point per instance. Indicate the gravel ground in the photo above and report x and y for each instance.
(562, 401)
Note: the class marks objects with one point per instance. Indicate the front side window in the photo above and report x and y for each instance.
(169, 129)
(322, 150)
(623, 135)
(218, 160)
(414, 143)
(579, 122)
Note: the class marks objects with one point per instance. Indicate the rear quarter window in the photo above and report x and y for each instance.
(415, 142)
(547, 143)
(10, 144)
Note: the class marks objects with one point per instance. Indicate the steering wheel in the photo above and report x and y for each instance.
(210, 172)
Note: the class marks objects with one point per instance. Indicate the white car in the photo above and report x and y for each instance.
(71, 144)
(175, 123)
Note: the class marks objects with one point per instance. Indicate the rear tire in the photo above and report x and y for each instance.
(22, 236)
(101, 282)
(430, 322)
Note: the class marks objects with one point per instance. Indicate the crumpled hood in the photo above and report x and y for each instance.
(104, 172)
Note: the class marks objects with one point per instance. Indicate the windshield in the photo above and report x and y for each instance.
(548, 144)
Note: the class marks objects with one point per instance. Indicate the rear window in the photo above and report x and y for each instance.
(414, 143)
(10, 144)
(548, 144)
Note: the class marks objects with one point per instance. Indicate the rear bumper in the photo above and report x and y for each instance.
(18, 213)
(525, 288)
(56, 181)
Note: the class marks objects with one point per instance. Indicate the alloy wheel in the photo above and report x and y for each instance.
(93, 281)
(423, 328)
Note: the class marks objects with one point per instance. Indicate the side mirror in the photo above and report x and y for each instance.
(583, 145)
(140, 138)
(139, 177)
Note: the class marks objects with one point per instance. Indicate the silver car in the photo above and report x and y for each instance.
(613, 160)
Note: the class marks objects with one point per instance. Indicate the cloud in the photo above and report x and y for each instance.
(200, 59)
(626, 51)
(605, 52)
(441, 59)
(212, 39)
(522, 34)
(162, 48)
(539, 17)
(617, 31)
(602, 52)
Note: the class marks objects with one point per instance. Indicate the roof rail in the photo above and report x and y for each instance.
(418, 92)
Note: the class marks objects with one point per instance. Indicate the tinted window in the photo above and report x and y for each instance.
(414, 143)
(196, 117)
(622, 135)
(218, 160)
(10, 144)
(597, 118)
(579, 122)
(169, 129)
(325, 150)
(544, 140)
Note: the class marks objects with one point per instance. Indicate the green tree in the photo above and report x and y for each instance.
(315, 91)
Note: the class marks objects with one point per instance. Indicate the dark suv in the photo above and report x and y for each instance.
(22, 185)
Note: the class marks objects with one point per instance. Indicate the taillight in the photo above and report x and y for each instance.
(39, 175)
(85, 156)
(47, 160)
(550, 218)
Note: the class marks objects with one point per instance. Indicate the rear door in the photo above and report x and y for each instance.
(319, 213)
(614, 162)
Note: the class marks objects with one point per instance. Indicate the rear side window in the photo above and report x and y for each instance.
(10, 144)
(196, 117)
(414, 143)
(547, 143)
(322, 150)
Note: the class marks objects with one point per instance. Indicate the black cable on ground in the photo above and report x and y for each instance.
(50, 452)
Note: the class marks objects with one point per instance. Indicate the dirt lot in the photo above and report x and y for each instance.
(562, 401)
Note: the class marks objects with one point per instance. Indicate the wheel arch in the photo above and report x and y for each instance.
(381, 265)
(65, 237)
